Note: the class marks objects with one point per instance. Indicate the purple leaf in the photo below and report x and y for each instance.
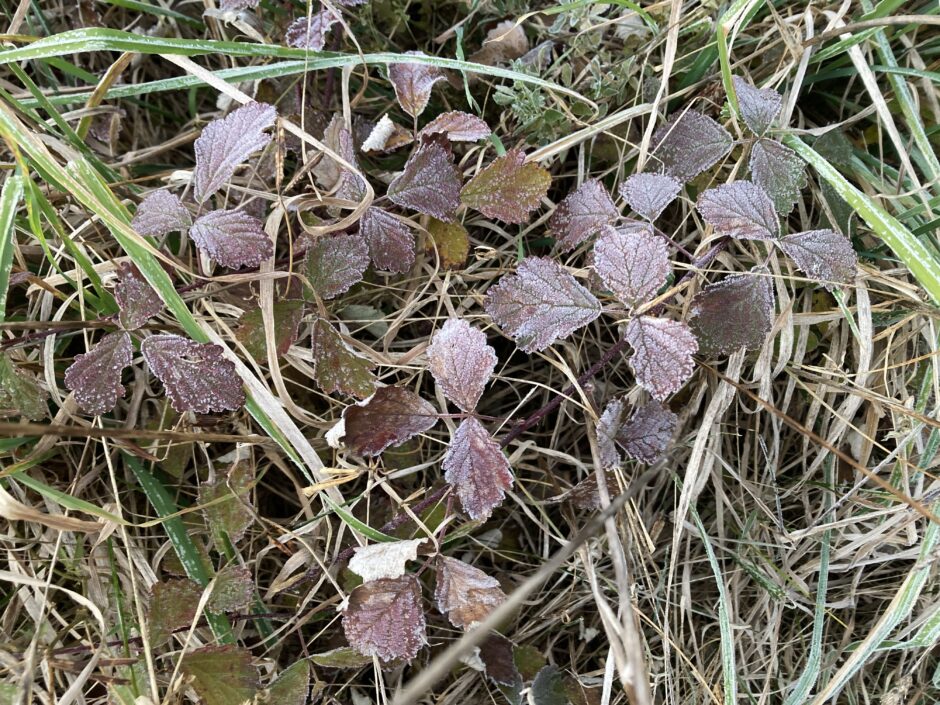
(224, 144)
(741, 210)
(824, 255)
(310, 32)
(135, 297)
(161, 212)
(779, 171)
(457, 126)
(391, 242)
(690, 143)
(539, 304)
(430, 182)
(385, 618)
(508, 189)
(648, 433)
(581, 214)
(496, 653)
(465, 594)
(336, 366)
(759, 108)
(461, 362)
(632, 263)
(477, 468)
(336, 263)
(196, 375)
(232, 238)
(736, 312)
(389, 417)
(649, 194)
(413, 83)
(662, 354)
(95, 377)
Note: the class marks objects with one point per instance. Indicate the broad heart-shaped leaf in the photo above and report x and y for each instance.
(458, 127)
(648, 432)
(539, 304)
(161, 212)
(389, 417)
(662, 354)
(582, 213)
(608, 425)
(451, 242)
(232, 238)
(391, 242)
(292, 685)
(172, 605)
(310, 32)
(226, 503)
(336, 366)
(196, 376)
(20, 392)
(222, 675)
(226, 143)
(135, 297)
(477, 468)
(759, 108)
(430, 181)
(287, 318)
(461, 362)
(689, 143)
(413, 84)
(741, 210)
(232, 590)
(736, 312)
(336, 263)
(824, 255)
(384, 560)
(508, 189)
(649, 194)
(95, 377)
(631, 262)
(465, 594)
(779, 171)
(385, 618)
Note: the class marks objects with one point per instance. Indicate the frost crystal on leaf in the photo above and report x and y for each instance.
(662, 354)
(196, 376)
(759, 108)
(226, 143)
(135, 297)
(95, 377)
(161, 212)
(391, 242)
(310, 32)
(477, 468)
(458, 127)
(581, 214)
(689, 143)
(633, 264)
(607, 427)
(824, 255)
(233, 588)
(413, 83)
(507, 189)
(336, 366)
(287, 317)
(430, 182)
(389, 417)
(741, 210)
(461, 362)
(648, 432)
(649, 194)
(385, 618)
(779, 171)
(221, 675)
(736, 312)
(292, 685)
(539, 304)
(336, 263)
(465, 594)
(383, 560)
(232, 238)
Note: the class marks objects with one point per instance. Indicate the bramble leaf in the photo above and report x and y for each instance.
(95, 376)
(477, 468)
(337, 367)
(310, 32)
(335, 263)
(759, 108)
(465, 594)
(581, 214)
(389, 417)
(221, 675)
(649, 194)
(292, 685)
(736, 312)
(20, 391)
(690, 143)
(391, 242)
(452, 242)
(413, 84)
(287, 318)
(172, 605)
(461, 362)
(824, 255)
(161, 212)
(741, 210)
(508, 189)
(648, 433)
(539, 304)
(232, 238)
(385, 618)
(631, 262)
(384, 560)
(430, 182)
(497, 657)
(226, 503)
(135, 297)
(608, 426)
(458, 127)
(196, 375)
(662, 354)
(779, 171)
(233, 589)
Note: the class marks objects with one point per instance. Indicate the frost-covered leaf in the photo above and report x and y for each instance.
(95, 377)
(337, 367)
(310, 32)
(607, 427)
(461, 362)
(329, 173)
(649, 194)
(498, 664)
(172, 605)
(539, 304)
(237, 5)
(759, 108)
(391, 242)
(689, 143)
(662, 354)
(451, 241)
(196, 375)
(581, 214)
(287, 317)
(741, 210)
(291, 685)
(232, 238)
(648, 432)
(232, 590)
(477, 468)
(161, 212)
(504, 43)
(736, 312)
(389, 417)
(135, 297)
(335, 263)
(343, 657)
(548, 688)
(20, 392)
(224, 144)
(465, 594)
(632, 263)
(386, 136)
(385, 618)
(458, 127)
(508, 189)
(226, 503)
(413, 83)
(586, 495)
(779, 171)
(824, 255)
(430, 182)
(222, 675)
(384, 560)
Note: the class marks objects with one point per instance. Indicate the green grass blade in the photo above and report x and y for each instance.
(9, 201)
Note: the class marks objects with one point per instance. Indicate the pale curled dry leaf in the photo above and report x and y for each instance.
(779, 171)
(95, 376)
(477, 468)
(461, 362)
(649, 194)
(824, 255)
(413, 83)
(759, 108)
(389, 417)
(329, 173)
(608, 425)
(161, 212)
(690, 143)
(335, 263)
(736, 312)
(662, 354)
(582, 213)
(385, 618)
(457, 126)
(465, 594)
(136, 299)
(741, 210)
(383, 560)
(430, 181)
(196, 375)
(632, 263)
(336, 366)
(391, 242)
(504, 43)
(386, 136)
(646, 436)
(508, 189)
(232, 238)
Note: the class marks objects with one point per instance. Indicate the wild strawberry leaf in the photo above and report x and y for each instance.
(477, 468)
(631, 262)
(95, 376)
(648, 433)
(539, 304)
(20, 392)
(386, 136)
(607, 427)
(465, 594)
(287, 318)
(384, 560)
(413, 83)
(649, 194)
(824, 255)
(161, 212)
(457, 126)
(759, 108)
(222, 675)
(389, 417)
(736, 312)
(391, 242)
(233, 589)
(337, 367)
(662, 354)
(310, 32)
(334, 264)
(741, 210)
(779, 171)
(461, 362)
(226, 503)
(581, 214)
(135, 297)
(196, 375)
(224, 144)
(496, 653)
(690, 143)
(385, 618)
(430, 182)
(450, 240)
(172, 605)
(292, 685)
(232, 238)
(508, 189)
